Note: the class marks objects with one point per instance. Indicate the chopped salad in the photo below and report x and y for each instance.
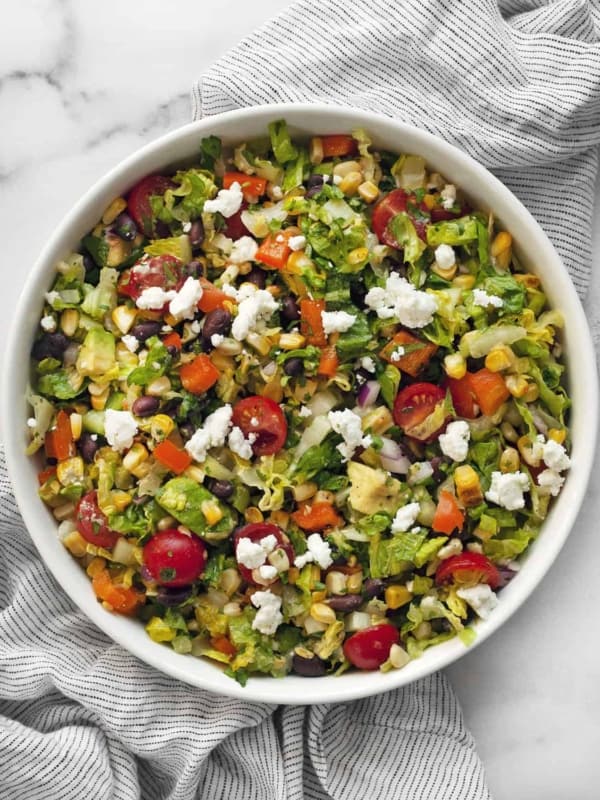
(299, 407)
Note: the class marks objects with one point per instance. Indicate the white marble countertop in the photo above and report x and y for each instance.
(84, 84)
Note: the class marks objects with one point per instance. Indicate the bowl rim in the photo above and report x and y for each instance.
(293, 689)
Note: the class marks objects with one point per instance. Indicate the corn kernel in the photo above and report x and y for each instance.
(368, 191)
(455, 366)
(500, 358)
(117, 206)
(76, 422)
(212, 512)
(278, 558)
(316, 150)
(447, 273)
(501, 249)
(345, 168)
(358, 256)
(136, 456)
(557, 435)
(350, 183)
(121, 500)
(517, 385)
(509, 460)
(398, 656)
(336, 582)
(397, 596)
(229, 347)
(529, 281)
(293, 575)
(260, 343)
(159, 386)
(69, 321)
(354, 582)
(70, 471)
(95, 566)
(318, 597)
(280, 518)
(526, 450)
(323, 496)
(98, 401)
(468, 485)
(64, 511)
(75, 544)
(508, 431)
(429, 201)
(123, 317)
(253, 514)
(304, 490)
(465, 282)
(313, 626)
(161, 426)
(322, 613)
(379, 420)
(195, 473)
(532, 393)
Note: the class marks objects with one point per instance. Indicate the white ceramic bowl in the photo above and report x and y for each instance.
(486, 192)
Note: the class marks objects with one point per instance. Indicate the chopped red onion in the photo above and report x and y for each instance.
(393, 458)
(368, 394)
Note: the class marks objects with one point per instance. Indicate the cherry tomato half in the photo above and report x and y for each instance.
(468, 568)
(166, 272)
(234, 227)
(174, 559)
(256, 532)
(369, 648)
(441, 214)
(387, 208)
(92, 523)
(138, 201)
(413, 405)
(263, 417)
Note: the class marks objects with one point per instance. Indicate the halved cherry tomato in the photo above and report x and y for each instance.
(199, 375)
(336, 145)
(328, 363)
(316, 517)
(256, 532)
(123, 600)
(263, 417)
(311, 322)
(387, 208)
(138, 200)
(234, 227)
(92, 523)
(441, 214)
(212, 297)
(252, 187)
(413, 405)
(173, 558)
(413, 361)
(448, 515)
(369, 648)
(489, 389)
(468, 568)
(463, 398)
(164, 271)
(172, 457)
(59, 442)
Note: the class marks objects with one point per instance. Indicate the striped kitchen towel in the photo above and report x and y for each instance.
(515, 83)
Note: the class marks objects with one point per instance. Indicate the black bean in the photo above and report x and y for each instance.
(373, 587)
(308, 667)
(88, 263)
(172, 350)
(88, 447)
(125, 227)
(257, 276)
(145, 406)
(289, 310)
(187, 429)
(218, 322)
(314, 180)
(294, 367)
(144, 330)
(171, 407)
(358, 292)
(440, 626)
(345, 602)
(314, 191)
(161, 230)
(173, 596)
(50, 345)
(221, 489)
(196, 233)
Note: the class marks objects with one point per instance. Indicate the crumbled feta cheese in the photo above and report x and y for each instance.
(304, 411)
(244, 249)
(297, 242)
(507, 490)
(445, 257)
(239, 445)
(336, 179)
(195, 327)
(166, 329)
(31, 423)
(254, 554)
(143, 267)
(217, 339)
(269, 616)
(212, 434)
(400, 300)
(276, 192)
(485, 300)
(94, 437)
(366, 362)
(405, 518)
(130, 342)
(186, 227)
(481, 599)
(226, 288)
(397, 354)
(419, 471)
(52, 297)
(185, 303)
(267, 572)
(448, 195)
(318, 551)
(348, 425)
(154, 298)
(48, 323)
(337, 321)
(119, 428)
(222, 243)
(453, 548)
(550, 481)
(227, 202)
(254, 310)
(454, 443)
(555, 456)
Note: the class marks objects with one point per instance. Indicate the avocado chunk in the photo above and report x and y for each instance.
(191, 504)
(373, 490)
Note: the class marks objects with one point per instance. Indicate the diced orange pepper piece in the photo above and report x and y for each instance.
(311, 322)
(413, 362)
(447, 515)
(212, 297)
(173, 340)
(329, 362)
(274, 250)
(223, 645)
(123, 601)
(489, 389)
(252, 187)
(45, 475)
(316, 517)
(59, 442)
(338, 145)
(172, 457)
(199, 375)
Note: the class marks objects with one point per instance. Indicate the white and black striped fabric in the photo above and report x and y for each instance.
(515, 83)
(82, 718)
